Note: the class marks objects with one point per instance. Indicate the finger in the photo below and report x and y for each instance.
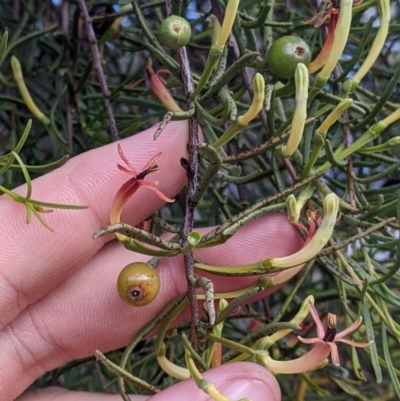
(34, 260)
(236, 380)
(85, 313)
(257, 383)
(59, 394)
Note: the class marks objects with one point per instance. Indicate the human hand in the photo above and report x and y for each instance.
(58, 294)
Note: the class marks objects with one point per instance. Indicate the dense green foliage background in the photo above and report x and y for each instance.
(48, 39)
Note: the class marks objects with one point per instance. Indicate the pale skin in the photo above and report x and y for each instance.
(58, 297)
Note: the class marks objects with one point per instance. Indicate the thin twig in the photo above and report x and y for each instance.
(191, 167)
(168, 6)
(346, 141)
(97, 66)
(350, 181)
(67, 60)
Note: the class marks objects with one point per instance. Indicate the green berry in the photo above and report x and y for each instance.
(284, 55)
(175, 32)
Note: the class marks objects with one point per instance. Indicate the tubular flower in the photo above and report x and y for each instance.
(324, 345)
(329, 336)
(133, 184)
(319, 232)
(157, 85)
(316, 243)
(320, 60)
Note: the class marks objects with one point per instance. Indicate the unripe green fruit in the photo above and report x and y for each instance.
(138, 284)
(284, 55)
(175, 32)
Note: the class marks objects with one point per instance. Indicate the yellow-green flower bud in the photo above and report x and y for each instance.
(390, 144)
(242, 121)
(230, 15)
(318, 241)
(257, 102)
(301, 78)
(334, 116)
(23, 90)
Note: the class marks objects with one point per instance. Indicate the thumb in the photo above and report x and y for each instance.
(236, 381)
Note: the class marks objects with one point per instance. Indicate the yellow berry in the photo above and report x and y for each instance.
(138, 284)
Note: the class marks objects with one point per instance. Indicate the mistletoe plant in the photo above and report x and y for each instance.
(299, 107)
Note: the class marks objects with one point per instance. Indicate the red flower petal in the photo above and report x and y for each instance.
(126, 161)
(152, 185)
(120, 199)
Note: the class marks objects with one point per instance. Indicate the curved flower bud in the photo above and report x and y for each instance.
(377, 45)
(301, 79)
(217, 47)
(294, 205)
(257, 102)
(340, 37)
(390, 144)
(268, 341)
(23, 90)
(320, 60)
(333, 116)
(242, 121)
(215, 28)
(157, 85)
(318, 241)
(227, 23)
(171, 368)
(321, 131)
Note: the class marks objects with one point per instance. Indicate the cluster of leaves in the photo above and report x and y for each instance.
(359, 279)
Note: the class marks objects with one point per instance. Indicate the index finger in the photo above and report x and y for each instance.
(34, 260)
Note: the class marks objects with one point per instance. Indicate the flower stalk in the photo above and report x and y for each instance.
(321, 132)
(371, 134)
(3, 46)
(203, 384)
(214, 352)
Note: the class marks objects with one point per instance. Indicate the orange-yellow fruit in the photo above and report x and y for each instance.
(138, 284)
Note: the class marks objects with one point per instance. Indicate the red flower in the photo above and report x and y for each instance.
(133, 184)
(326, 339)
(323, 345)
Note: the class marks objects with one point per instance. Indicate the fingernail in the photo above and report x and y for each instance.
(255, 390)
